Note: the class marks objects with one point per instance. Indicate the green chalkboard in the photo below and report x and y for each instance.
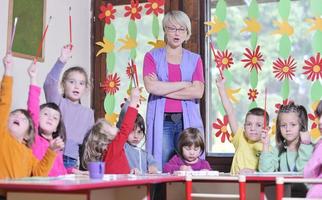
(29, 28)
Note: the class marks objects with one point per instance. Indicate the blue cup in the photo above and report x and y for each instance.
(96, 170)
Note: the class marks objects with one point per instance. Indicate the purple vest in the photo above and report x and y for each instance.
(156, 104)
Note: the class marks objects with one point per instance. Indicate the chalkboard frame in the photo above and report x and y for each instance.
(29, 28)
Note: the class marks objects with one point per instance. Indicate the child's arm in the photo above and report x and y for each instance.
(304, 152)
(6, 90)
(269, 161)
(220, 82)
(51, 83)
(152, 164)
(313, 167)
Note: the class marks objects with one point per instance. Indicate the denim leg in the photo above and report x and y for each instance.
(69, 162)
(171, 132)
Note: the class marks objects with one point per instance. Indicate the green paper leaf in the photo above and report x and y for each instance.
(252, 105)
(132, 29)
(253, 10)
(317, 41)
(109, 32)
(284, 7)
(253, 78)
(221, 110)
(316, 91)
(229, 77)
(221, 9)
(316, 7)
(285, 91)
(155, 27)
(285, 46)
(109, 103)
(110, 62)
(133, 54)
(222, 39)
(253, 40)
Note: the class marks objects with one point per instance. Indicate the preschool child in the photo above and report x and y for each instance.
(293, 142)
(247, 140)
(190, 148)
(17, 133)
(78, 119)
(139, 160)
(48, 124)
(313, 168)
(106, 142)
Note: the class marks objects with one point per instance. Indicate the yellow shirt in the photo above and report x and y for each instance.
(17, 160)
(246, 153)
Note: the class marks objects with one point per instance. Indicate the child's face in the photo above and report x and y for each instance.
(191, 153)
(253, 127)
(74, 86)
(135, 136)
(18, 125)
(49, 120)
(289, 126)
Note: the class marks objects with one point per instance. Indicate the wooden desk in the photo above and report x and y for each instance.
(81, 187)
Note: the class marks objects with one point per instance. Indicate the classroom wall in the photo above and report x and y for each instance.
(57, 36)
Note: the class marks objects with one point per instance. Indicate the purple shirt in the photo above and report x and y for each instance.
(78, 119)
(149, 66)
(176, 162)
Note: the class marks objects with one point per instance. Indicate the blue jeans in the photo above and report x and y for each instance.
(171, 131)
(69, 162)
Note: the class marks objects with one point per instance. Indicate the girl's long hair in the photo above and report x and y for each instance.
(303, 121)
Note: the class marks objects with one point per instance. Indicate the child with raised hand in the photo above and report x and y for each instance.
(48, 124)
(313, 168)
(190, 147)
(78, 119)
(247, 140)
(17, 133)
(293, 142)
(140, 161)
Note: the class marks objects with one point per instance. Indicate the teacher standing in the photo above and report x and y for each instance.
(174, 78)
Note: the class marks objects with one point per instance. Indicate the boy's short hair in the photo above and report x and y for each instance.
(258, 112)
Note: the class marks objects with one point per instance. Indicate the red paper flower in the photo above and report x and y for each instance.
(284, 68)
(224, 59)
(313, 67)
(107, 12)
(154, 6)
(252, 94)
(111, 84)
(130, 70)
(133, 10)
(222, 128)
(254, 59)
(315, 119)
(284, 103)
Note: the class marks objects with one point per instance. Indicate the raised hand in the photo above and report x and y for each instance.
(135, 97)
(220, 81)
(8, 64)
(66, 53)
(265, 139)
(32, 72)
(305, 137)
(56, 144)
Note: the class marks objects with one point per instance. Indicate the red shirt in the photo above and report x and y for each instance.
(115, 157)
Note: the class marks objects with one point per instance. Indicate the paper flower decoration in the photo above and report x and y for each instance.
(284, 103)
(155, 7)
(254, 59)
(230, 93)
(313, 67)
(106, 45)
(111, 118)
(133, 10)
(216, 26)
(315, 120)
(107, 13)
(129, 43)
(317, 24)
(252, 25)
(223, 59)
(111, 84)
(284, 68)
(284, 28)
(157, 43)
(130, 71)
(221, 126)
(252, 94)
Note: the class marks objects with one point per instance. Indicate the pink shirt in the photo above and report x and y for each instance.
(174, 72)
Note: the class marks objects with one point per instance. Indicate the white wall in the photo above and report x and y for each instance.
(56, 37)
